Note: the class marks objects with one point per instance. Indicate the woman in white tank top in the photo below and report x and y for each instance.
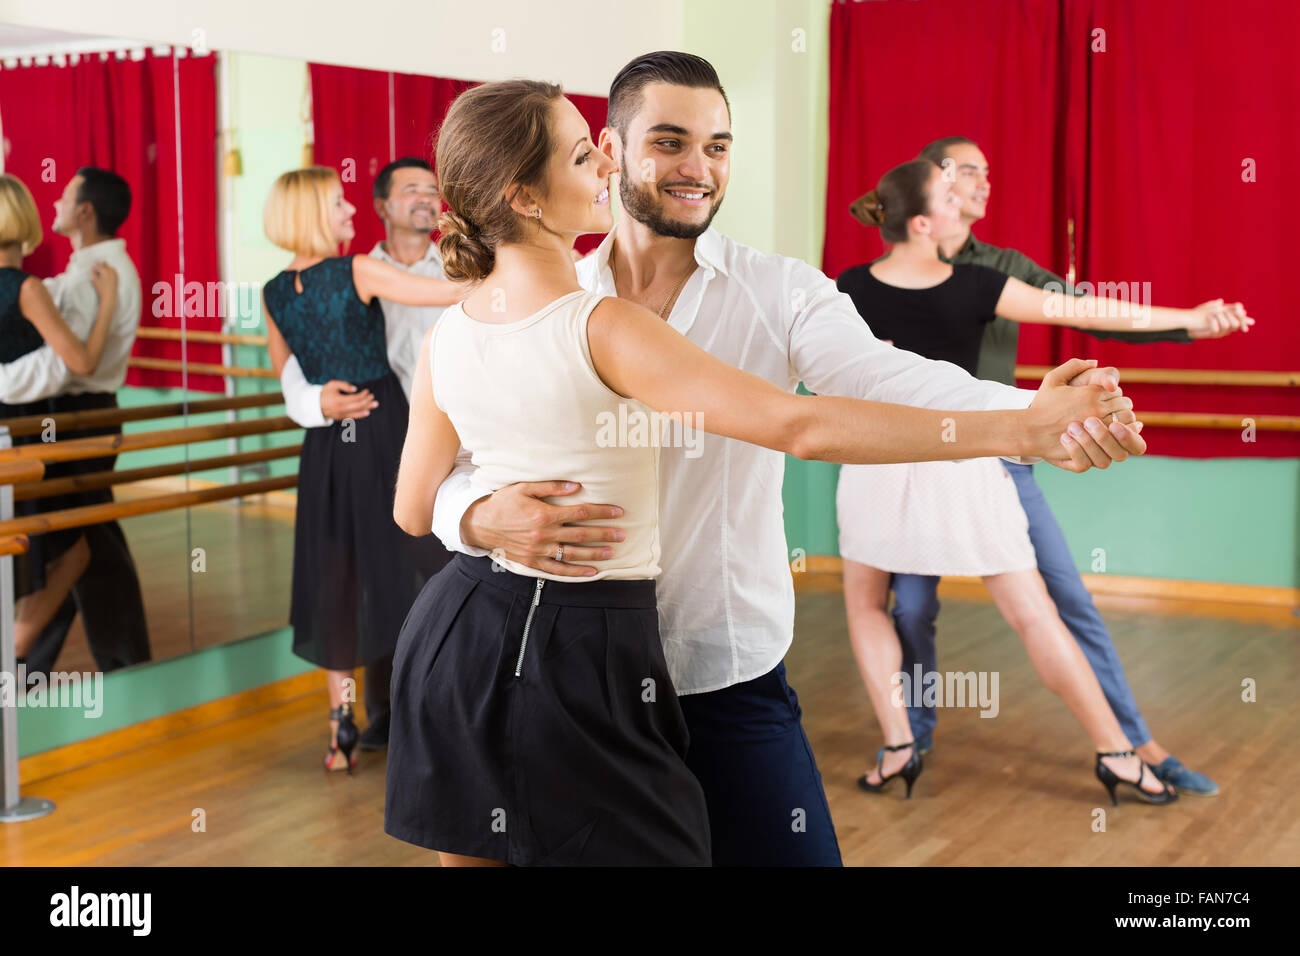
(533, 718)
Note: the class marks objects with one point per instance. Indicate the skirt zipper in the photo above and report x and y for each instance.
(537, 596)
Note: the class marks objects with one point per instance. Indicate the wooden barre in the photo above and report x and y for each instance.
(104, 479)
(1234, 421)
(1181, 376)
(111, 511)
(200, 368)
(99, 417)
(14, 544)
(193, 335)
(13, 472)
(104, 445)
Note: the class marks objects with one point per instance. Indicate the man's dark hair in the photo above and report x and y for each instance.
(665, 66)
(937, 151)
(108, 194)
(384, 181)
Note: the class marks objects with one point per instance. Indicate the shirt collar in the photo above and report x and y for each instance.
(970, 247)
(97, 251)
(709, 252)
(430, 254)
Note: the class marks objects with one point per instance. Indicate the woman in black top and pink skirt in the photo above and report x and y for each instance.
(29, 320)
(963, 517)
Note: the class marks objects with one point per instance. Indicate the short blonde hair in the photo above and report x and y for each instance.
(297, 215)
(19, 221)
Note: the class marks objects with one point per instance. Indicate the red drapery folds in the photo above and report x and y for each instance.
(1191, 127)
(1142, 145)
(364, 119)
(122, 114)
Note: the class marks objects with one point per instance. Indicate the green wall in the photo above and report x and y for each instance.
(1230, 520)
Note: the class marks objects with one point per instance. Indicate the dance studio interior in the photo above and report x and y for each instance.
(959, 444)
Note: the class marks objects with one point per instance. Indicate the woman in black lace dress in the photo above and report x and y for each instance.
(29, 319)
(355, 572)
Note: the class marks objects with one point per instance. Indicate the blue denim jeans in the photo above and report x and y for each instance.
(916, 606)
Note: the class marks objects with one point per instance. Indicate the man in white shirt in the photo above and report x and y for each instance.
(726, 597)
(406, 199)
(89, 212)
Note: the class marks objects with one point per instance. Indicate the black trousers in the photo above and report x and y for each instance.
(108, 594)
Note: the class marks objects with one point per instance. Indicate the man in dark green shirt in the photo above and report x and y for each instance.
(916, 604)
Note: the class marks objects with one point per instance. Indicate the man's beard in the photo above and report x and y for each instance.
(640, 205)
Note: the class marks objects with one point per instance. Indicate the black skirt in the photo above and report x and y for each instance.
(355, 572)
(30, 568)
(566, 748)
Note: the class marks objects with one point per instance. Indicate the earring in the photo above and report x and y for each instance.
(537, 213)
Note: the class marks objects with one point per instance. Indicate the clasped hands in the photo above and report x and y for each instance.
(1099, 423)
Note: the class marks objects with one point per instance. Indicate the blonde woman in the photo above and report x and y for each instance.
(355, 573)
(29, 319)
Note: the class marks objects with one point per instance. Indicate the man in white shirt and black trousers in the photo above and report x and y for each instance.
(726, 596)
(89, 212)
(406, 199)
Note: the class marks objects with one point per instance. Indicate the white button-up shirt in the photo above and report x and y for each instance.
(726, 595)
(41, 373)
(404, 328)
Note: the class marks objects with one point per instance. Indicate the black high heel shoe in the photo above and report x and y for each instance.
(346, 738)
(909, 771)
(1109, 779)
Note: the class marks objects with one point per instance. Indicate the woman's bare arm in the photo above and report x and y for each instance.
(38, 307)
(428, 454)
(637, 355)
(373, 277)
(1022, 302)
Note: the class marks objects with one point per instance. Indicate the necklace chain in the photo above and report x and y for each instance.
(663, 309)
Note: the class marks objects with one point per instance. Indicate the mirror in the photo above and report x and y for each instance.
(216, 567)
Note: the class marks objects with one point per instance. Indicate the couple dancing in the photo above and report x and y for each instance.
(536, 716)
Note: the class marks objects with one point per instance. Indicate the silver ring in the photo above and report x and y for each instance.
(559, 552)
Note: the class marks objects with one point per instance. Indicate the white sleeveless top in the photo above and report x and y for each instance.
(528, 406)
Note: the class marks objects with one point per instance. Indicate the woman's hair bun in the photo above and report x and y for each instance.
(461, 247)
(868, 209)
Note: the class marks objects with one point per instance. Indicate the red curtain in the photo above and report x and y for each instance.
(121, 114)
(1141, 146)
(364, 119)
(1184, 106)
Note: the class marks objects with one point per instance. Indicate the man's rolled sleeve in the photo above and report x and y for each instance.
(455, 495)
(301, 399)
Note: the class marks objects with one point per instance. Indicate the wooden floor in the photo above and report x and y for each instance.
(1014, 790)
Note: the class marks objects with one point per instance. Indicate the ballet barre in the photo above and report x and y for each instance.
(201, 368)
(1182, 376)
(189, 335)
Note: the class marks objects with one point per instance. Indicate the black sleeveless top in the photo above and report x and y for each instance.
(18, 336)
(944, 322)
(328, 328)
